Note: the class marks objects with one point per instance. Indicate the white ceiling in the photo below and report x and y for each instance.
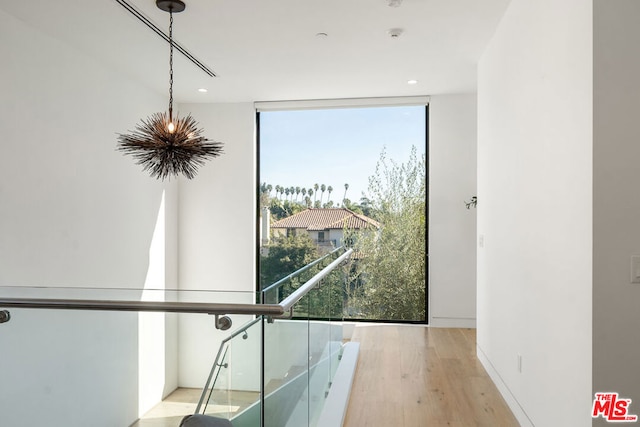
(266, 50)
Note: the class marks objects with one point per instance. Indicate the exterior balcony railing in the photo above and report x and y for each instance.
(327, 242)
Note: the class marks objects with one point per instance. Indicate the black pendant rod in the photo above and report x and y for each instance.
(161, 33)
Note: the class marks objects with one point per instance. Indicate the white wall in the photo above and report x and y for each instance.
(616, 210)
(73, 212)
(452, 228)
(534, 210)
(217, 207)
(217, 223)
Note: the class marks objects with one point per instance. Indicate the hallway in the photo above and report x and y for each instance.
(416, 376)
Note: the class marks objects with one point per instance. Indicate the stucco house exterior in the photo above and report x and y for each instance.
(325, 226)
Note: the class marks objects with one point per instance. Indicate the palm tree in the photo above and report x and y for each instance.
(329, 189)
(286, 192)
(304, 193)
(346, 187)
(315, 187)
(269, 188)
(277, 191)
(297, 193)
(310, 193)
(292, 191)
(323, 188)
(264, 195)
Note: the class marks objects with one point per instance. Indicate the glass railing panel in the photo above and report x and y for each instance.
(319, 348)
(286, 372)
(233, 389)
(75, 368)
(322, 308)
(78, 368)
(327, 333)
(168, 353)
(336, 287)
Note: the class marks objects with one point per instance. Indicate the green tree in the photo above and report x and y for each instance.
(391, 268)
(264, 194)
(365, 206)
(286, 255)
(283, 209)
(289, 254)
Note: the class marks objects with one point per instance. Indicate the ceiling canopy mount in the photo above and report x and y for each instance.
(172, 6)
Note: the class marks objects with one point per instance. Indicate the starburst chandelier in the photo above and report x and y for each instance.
(165, 145)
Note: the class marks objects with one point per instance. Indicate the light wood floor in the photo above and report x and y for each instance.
(415, 376)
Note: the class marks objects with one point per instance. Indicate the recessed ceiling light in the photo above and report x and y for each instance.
(202, 90)
(412, 82)
(395, 33)
(322, 35)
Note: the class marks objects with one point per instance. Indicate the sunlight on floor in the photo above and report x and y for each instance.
(183, 401)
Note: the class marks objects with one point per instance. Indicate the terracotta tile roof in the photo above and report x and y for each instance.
(326, 219)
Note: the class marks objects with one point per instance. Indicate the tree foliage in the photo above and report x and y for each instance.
(295, 198)
(286, 255)
(392, 265)
(388, 279)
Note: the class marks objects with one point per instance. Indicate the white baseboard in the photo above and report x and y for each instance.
(511, 400)
(452, 322)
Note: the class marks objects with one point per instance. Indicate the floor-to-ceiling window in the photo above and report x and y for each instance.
(348, 176)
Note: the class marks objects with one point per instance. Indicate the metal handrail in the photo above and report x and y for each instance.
(299, 293)
(143, 306)
(299, 271)
(274, 310)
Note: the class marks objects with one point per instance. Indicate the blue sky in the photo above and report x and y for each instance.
(336, 146)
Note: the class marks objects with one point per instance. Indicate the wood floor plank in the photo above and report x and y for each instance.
(382, 409)
(415, 376)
